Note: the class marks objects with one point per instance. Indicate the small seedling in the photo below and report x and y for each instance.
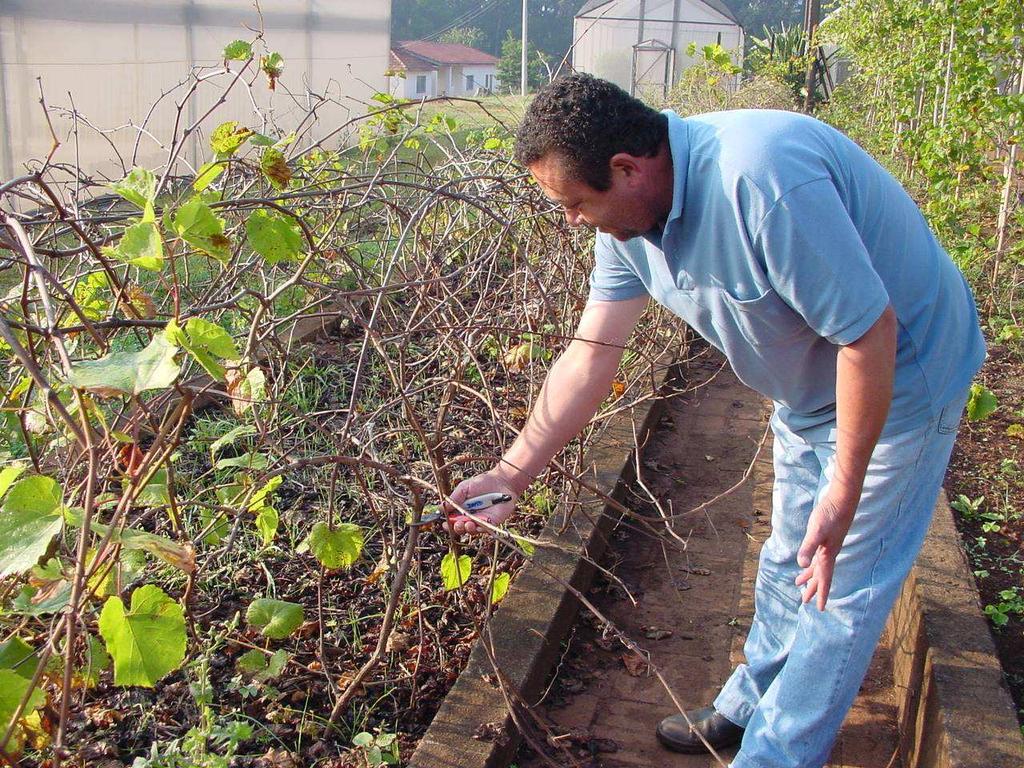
(381, 749)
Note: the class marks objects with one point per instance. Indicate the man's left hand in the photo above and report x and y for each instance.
(826, 530)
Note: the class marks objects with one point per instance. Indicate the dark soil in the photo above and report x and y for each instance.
(988, 462)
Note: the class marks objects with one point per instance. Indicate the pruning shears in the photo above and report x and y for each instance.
(474, 504)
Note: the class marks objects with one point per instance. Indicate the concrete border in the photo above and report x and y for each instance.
(474, 727)
(954, 708)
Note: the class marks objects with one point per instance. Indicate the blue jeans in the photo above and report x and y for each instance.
(804, 666)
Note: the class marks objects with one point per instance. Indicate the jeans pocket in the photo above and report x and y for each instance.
(949, 417)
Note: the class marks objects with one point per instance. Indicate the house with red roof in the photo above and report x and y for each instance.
(423, 69)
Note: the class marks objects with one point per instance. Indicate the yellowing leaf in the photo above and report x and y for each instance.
(337, 548)
(500, 587)
(520, 356)
(228, 137)
(455, 571)
(275, 168)
(267, 521)
(207, 174)
(147, 641)
(263, 494)
(272, 65)
(141, 303)
(8, 475)
(246, 389)
(273, 236)
(138, 187)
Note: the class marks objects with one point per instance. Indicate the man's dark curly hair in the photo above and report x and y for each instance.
(585, 121)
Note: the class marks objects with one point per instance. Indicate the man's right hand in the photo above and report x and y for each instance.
(579, 380)
(489, 482)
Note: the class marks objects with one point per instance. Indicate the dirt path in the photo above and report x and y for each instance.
(693, 605)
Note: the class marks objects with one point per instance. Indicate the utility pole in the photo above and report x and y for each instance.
(523, 83)
(812, 14)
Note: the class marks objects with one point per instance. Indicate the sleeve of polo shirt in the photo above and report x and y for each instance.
(818, 265)
(612, 279)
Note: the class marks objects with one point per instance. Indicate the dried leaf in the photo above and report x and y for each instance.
(636, 665)
(654, 633)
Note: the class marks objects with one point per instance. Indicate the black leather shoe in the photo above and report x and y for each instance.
(720, 732)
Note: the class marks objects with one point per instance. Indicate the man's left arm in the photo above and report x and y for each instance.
(864, 385)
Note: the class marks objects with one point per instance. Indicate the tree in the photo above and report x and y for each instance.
(550, 22)
(510, 64)
(471, 36)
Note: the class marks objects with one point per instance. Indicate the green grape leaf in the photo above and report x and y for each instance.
(500, 587)
(12, 689)
(238, 50)
(228, 137)
(29, 519)
(245, 461)
(982, 403)
(8, 475)
(217, 524)
(524, 544)
(275, 168)
(251, 662)
(155, 493)
(140, 246)
(31, 601)
(146, 642)
(277, 619)
(88, 292)
(18, 656)
(230, 437)
(207, 174)
(138, 187)
(492, 143)
(455, 572)
(273, 236)
(338, 548)
(257, 664)
(128, 373)
(267, 521)
(207, 342)
(97, 660)
(196, 224)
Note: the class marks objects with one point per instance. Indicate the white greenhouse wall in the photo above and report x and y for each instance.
(604, 46)
(116, 58)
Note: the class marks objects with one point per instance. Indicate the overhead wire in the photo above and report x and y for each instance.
(465, 18)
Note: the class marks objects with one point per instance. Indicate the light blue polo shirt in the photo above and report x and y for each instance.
(786, 241)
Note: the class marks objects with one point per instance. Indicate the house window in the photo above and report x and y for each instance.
(421, 84)
(470, 82)
(489, 82)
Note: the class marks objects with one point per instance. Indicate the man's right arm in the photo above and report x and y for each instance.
(576, 385)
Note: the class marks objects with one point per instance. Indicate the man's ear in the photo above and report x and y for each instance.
(626, 164)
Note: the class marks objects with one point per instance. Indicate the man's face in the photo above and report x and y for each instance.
(621, 211)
